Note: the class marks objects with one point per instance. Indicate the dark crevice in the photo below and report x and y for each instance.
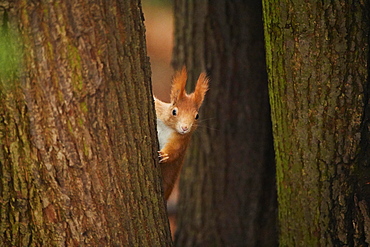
(5, 25)
(362, 191)
(364, 155)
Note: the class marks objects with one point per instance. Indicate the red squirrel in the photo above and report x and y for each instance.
(176, 121)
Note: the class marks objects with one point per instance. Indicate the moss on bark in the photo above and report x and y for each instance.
(317, 55)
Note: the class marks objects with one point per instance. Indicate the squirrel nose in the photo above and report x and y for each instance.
(184, 128)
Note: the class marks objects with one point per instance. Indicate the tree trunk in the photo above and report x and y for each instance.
(77, 127)
(227, 187)
(317, 58)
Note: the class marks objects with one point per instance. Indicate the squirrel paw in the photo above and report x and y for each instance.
(163, 157)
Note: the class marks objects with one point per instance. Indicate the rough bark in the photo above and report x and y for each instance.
(227, 187)
(77, 127)
(317, 58)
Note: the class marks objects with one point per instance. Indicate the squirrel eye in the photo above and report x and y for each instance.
(174, 112)
(197, 116)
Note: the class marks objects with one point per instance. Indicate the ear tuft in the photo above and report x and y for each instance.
(200, 89)
(178, 85)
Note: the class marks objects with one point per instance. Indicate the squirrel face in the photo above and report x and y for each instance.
(183, 112)
(183, 116)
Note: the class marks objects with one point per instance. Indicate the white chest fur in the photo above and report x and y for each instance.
(164, 133)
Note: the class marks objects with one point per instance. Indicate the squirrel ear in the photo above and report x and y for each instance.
(200, 89)
(178, 85)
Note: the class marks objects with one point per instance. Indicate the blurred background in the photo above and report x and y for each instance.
(158, 16)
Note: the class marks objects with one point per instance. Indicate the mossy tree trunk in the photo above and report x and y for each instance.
(227, 186)
(77, 127)
(317, 58)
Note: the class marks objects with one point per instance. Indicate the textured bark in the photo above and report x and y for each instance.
(77, 127)
(317, 58)
(227, 187)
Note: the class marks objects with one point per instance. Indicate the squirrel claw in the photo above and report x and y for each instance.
(162, 157)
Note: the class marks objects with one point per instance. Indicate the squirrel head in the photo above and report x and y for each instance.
(183, 112)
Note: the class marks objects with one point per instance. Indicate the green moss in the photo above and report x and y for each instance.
(10, 57)
(69, 126)
(81, 122)
(75, 63)
(83, 107)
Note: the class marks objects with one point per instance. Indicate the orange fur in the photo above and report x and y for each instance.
(178, 85)
(200, 89)
(176, 121)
